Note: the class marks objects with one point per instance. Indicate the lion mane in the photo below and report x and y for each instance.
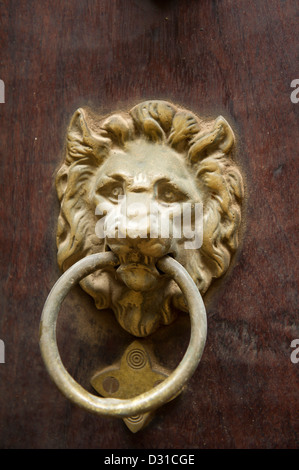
(207, 149)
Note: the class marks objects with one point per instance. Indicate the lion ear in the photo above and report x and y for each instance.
(219, 138)
(82, 141)
(83, 146)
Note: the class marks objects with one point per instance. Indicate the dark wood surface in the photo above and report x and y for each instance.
(235, 58)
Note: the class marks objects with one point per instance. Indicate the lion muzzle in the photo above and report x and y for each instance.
(138, 258)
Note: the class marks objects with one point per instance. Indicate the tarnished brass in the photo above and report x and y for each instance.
(149, 400)
(164, 158)
(155, 153)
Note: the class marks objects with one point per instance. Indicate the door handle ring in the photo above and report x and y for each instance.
(151, 399)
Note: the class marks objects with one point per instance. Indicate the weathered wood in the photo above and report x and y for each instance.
(215, 57)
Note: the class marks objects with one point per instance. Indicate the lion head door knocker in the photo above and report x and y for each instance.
(150, 211)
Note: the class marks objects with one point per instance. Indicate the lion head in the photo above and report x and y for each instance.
(156, 155)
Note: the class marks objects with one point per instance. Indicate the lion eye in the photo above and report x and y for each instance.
(170, 195)
(116, 192)
(111, 191)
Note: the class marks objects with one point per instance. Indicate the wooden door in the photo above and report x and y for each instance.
(215, 57)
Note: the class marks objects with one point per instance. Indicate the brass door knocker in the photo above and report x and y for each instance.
(150, 211)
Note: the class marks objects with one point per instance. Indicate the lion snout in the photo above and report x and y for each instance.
(139, 248)
(138, 258)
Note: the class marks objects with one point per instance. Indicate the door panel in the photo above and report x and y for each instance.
(237, 59)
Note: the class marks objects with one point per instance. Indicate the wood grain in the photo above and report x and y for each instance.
(214, 57)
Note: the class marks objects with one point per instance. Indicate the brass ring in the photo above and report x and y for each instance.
(146, 401)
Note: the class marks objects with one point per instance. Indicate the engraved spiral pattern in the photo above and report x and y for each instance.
(135, 419)
(136, 359)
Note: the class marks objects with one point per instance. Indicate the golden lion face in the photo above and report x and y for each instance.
(126, 184)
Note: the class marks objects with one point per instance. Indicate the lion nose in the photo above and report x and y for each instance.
(137, 218)
(132, 248)
(137, 231)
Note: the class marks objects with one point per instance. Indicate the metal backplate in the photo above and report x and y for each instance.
(131, 376)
